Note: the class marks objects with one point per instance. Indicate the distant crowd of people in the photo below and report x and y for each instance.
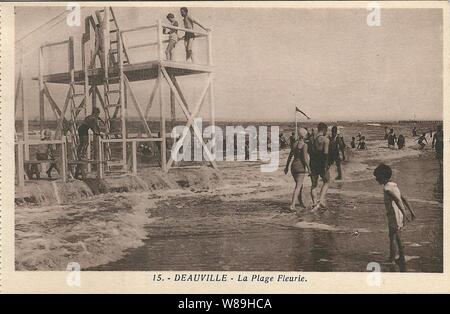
(314, 153)
(435, 137)
(392, 140)
(361, 142)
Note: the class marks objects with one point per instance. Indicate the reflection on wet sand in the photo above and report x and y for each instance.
(207, 233)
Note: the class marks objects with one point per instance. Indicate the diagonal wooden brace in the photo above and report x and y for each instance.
(152, 97)
(138, 107)
(192, 116)
(189, 116)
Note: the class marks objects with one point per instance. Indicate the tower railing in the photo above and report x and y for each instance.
(158, 44)
(22, 162)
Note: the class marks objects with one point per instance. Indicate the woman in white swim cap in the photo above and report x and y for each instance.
(299, 166)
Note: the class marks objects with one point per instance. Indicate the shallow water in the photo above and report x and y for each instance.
(208, 233)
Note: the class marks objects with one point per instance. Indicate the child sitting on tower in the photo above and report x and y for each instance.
(173, 36)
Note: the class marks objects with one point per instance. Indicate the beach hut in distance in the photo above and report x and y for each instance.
(105, 81)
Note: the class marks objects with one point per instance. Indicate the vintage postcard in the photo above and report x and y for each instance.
(213, 147)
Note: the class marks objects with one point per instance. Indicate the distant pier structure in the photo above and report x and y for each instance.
(421, 122)
(105, 81)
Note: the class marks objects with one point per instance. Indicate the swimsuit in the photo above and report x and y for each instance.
(90, 122)
(401, 142)
(188, 25)
(298, 165)
(318, 165)
(173, 33)
(391, 139)
(336, 144)
(394, 214)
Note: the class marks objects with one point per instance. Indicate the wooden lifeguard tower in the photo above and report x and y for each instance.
(105, 81)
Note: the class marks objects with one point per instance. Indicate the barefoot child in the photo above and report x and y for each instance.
(299, 167)
(173, 36)
(395, 205)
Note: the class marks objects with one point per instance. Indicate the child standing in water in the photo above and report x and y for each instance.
(395, 205)
(401, 142)
(353, 142)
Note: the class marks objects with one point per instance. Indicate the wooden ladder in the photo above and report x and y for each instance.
(113, 89)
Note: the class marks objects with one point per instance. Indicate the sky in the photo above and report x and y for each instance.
(328, 62)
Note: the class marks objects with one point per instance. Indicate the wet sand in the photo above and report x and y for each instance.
(244, 223)
(258, 233)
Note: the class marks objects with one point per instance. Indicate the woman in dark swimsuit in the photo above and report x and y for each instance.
(299, 166)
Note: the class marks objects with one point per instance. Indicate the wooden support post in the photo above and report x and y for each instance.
(134, 149)
(41, 90)
(71, 94)
(190, 117)
(159, 39)
(105, 29)
(25, 127)
(94, 95)
(96, 138)
(17, 94)
(71, 59)
(212, 111)
(86, 76)
(209, 38)
(100, 159)
(88, 153)
(63, 159)
(62, 114)
(163, 123)
(24, 110)
(211, 99)
(20, 165)
(123, 109)
(173, 117)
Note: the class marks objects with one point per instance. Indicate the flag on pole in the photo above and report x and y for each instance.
(298, 110)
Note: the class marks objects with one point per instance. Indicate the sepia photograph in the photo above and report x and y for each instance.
(228, 139)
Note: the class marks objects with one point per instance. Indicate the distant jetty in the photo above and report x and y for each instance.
(427, 122)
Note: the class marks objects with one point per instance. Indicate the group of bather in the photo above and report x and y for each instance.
(313, 154)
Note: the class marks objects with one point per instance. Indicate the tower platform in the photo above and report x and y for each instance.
(135, 72)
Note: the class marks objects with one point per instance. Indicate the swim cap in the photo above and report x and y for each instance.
(302, 132)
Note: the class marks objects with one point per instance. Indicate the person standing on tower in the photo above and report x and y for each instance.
(173, 36)
(188, 36)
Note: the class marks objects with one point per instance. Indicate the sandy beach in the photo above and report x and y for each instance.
(239, 219)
